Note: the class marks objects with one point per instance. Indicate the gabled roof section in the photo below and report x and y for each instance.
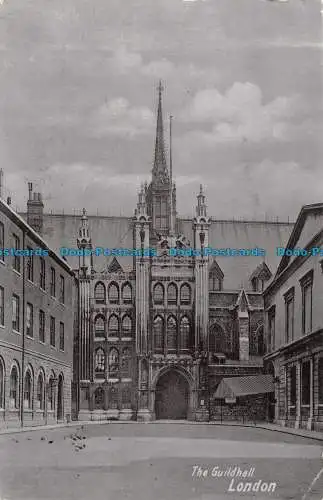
(261, 272)
(243, 301)
(114, 266)
(215, 269)
(233, 387)
(316, 211)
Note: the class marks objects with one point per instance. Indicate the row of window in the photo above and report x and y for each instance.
(306, 285)
(30, 268)
(14, 388)
(16, 326)
(113, 326)
(115, 399)
(113, 293)
(172, 294)
(305, 383)
(170, 337)
(116, 364)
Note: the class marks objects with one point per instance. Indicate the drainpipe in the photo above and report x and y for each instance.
(23, 335)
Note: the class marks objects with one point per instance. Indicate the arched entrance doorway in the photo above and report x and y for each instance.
(60, 398)
(172, 396)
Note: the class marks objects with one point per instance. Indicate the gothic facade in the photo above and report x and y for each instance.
(155, 338)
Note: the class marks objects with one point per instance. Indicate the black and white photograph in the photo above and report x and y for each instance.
(161, 249)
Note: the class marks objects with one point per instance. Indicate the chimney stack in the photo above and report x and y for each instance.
(35, 210)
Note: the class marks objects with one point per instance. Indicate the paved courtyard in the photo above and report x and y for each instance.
(158, 462)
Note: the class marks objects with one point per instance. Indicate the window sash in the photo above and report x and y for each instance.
(42, 326)
(62, 290)
(29, 320)
(61, 337)
(16, 258)
(52, 331)
(15, 313)
(42, 281)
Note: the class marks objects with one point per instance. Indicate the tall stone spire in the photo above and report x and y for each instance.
(201, 208)
(160, 172)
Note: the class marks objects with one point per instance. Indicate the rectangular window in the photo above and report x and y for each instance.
(16, 259)
(2, 245)
(62, 290)
(29, 320)
(30, 265)
(52, 282)
(271, 328)
(307, 289)
(306, 382)
(15, 313)
(320, 380)
(42, 276)
(52, 333)
(61, 337)
(289, 315)
(1, 306)
(41, 326)
(292, 394)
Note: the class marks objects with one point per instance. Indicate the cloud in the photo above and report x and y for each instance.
(240, 114)
(117, 117)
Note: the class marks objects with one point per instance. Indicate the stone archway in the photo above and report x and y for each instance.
(172, 396)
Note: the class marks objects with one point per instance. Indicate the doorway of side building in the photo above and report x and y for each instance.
(172, 396)
(60, 398)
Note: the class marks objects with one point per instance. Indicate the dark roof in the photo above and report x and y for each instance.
(233, 387)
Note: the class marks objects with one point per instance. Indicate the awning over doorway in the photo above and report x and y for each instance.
(232, 387)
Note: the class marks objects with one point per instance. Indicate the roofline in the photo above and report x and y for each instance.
(181, 219)
(299, 224)
(22, 223)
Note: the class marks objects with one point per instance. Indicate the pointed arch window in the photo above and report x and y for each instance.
(99, 362)
(99, 398)
(2, 372)
(126, 397)
(172, 294)
(126, 326)
(185, 331)
(113, 326)
(99, 326)
(113, 293)
(125, 360)
(185, 294)
(14, 392)
(113, 398)
(215, 282)
(158, 334)
(113, 362)
(257, 344)
(127, 294)
(158, 293)
(40, 402)
(99, 293)
(217, 340)
(171, 334)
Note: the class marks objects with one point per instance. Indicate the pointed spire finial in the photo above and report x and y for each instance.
(160, 166)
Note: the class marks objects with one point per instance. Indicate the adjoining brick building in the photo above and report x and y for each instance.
(294, 325)
(37, 315)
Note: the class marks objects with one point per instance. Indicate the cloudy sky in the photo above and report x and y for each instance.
(242, 80)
